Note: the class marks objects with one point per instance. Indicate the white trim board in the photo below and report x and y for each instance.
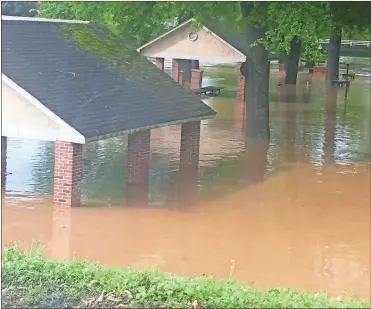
(203, 27)
(216, 59)
(224, 42)
(66, 132)
(69, 21)
(165, 34)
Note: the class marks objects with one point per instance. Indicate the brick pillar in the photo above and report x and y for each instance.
(196, 79)
(189, 161)
(175, 69)
(68, 164)
(137, 178)
(160, 63)
(4, 143)
(319, 70)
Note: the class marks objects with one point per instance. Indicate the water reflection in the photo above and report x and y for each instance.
(331, 95)
(293, 212)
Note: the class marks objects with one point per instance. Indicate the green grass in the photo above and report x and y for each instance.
(30, 280)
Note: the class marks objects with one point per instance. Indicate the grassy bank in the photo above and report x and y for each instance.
(29, 280)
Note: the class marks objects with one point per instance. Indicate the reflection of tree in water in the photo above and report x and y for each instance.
(330, 124)
(233, 173)
(254, 163)
(160, 180)
(43, 168)
(104, 175)
(290, 128)
(105, 163)
(307, 89)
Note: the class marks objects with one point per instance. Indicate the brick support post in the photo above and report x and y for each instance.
(160, 63)
(241, 85)
(189, 161)
(196, 79)
(68, 164)
(319, 70)
(137, 178)
(175, 69)
(4, 144)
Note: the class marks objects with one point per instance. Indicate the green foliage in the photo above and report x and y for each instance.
(120, 17)
(309, 21)
(356, 33)
(76, 279)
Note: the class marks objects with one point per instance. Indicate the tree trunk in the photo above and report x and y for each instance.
(257, 87)
(333, 56)
(292, 61)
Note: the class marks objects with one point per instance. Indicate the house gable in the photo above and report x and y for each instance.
(177, 44)
(24, 117)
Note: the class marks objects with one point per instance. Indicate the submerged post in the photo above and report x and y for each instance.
(189, 161)
(68, 164)
(4, 147)
(196, 79)
(346, 82)
(137, 179)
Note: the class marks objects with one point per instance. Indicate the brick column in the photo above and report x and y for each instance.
(159, 62)
(319, 70)
(241, 85)
(175, 69)
(68, 164)
(137, 178)
(189, 161)
(196, 79)
(4, 144)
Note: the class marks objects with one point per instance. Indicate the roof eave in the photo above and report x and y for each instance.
(67, 132)
(52, 20)
(145, 128)
(165, 34)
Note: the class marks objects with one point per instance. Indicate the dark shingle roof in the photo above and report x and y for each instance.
(93, 80)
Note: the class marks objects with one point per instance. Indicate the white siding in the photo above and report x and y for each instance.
(22, 119)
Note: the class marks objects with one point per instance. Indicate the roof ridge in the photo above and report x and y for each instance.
(53, 20)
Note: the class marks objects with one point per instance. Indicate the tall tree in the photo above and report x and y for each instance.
(292, 61)
(301, 25)
(347, 16)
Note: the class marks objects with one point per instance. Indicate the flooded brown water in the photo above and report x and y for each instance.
(294, 213)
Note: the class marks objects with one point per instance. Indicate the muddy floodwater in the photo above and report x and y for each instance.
(292, 213)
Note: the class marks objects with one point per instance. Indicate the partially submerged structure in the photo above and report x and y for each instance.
(211, 42)
(73, 82)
